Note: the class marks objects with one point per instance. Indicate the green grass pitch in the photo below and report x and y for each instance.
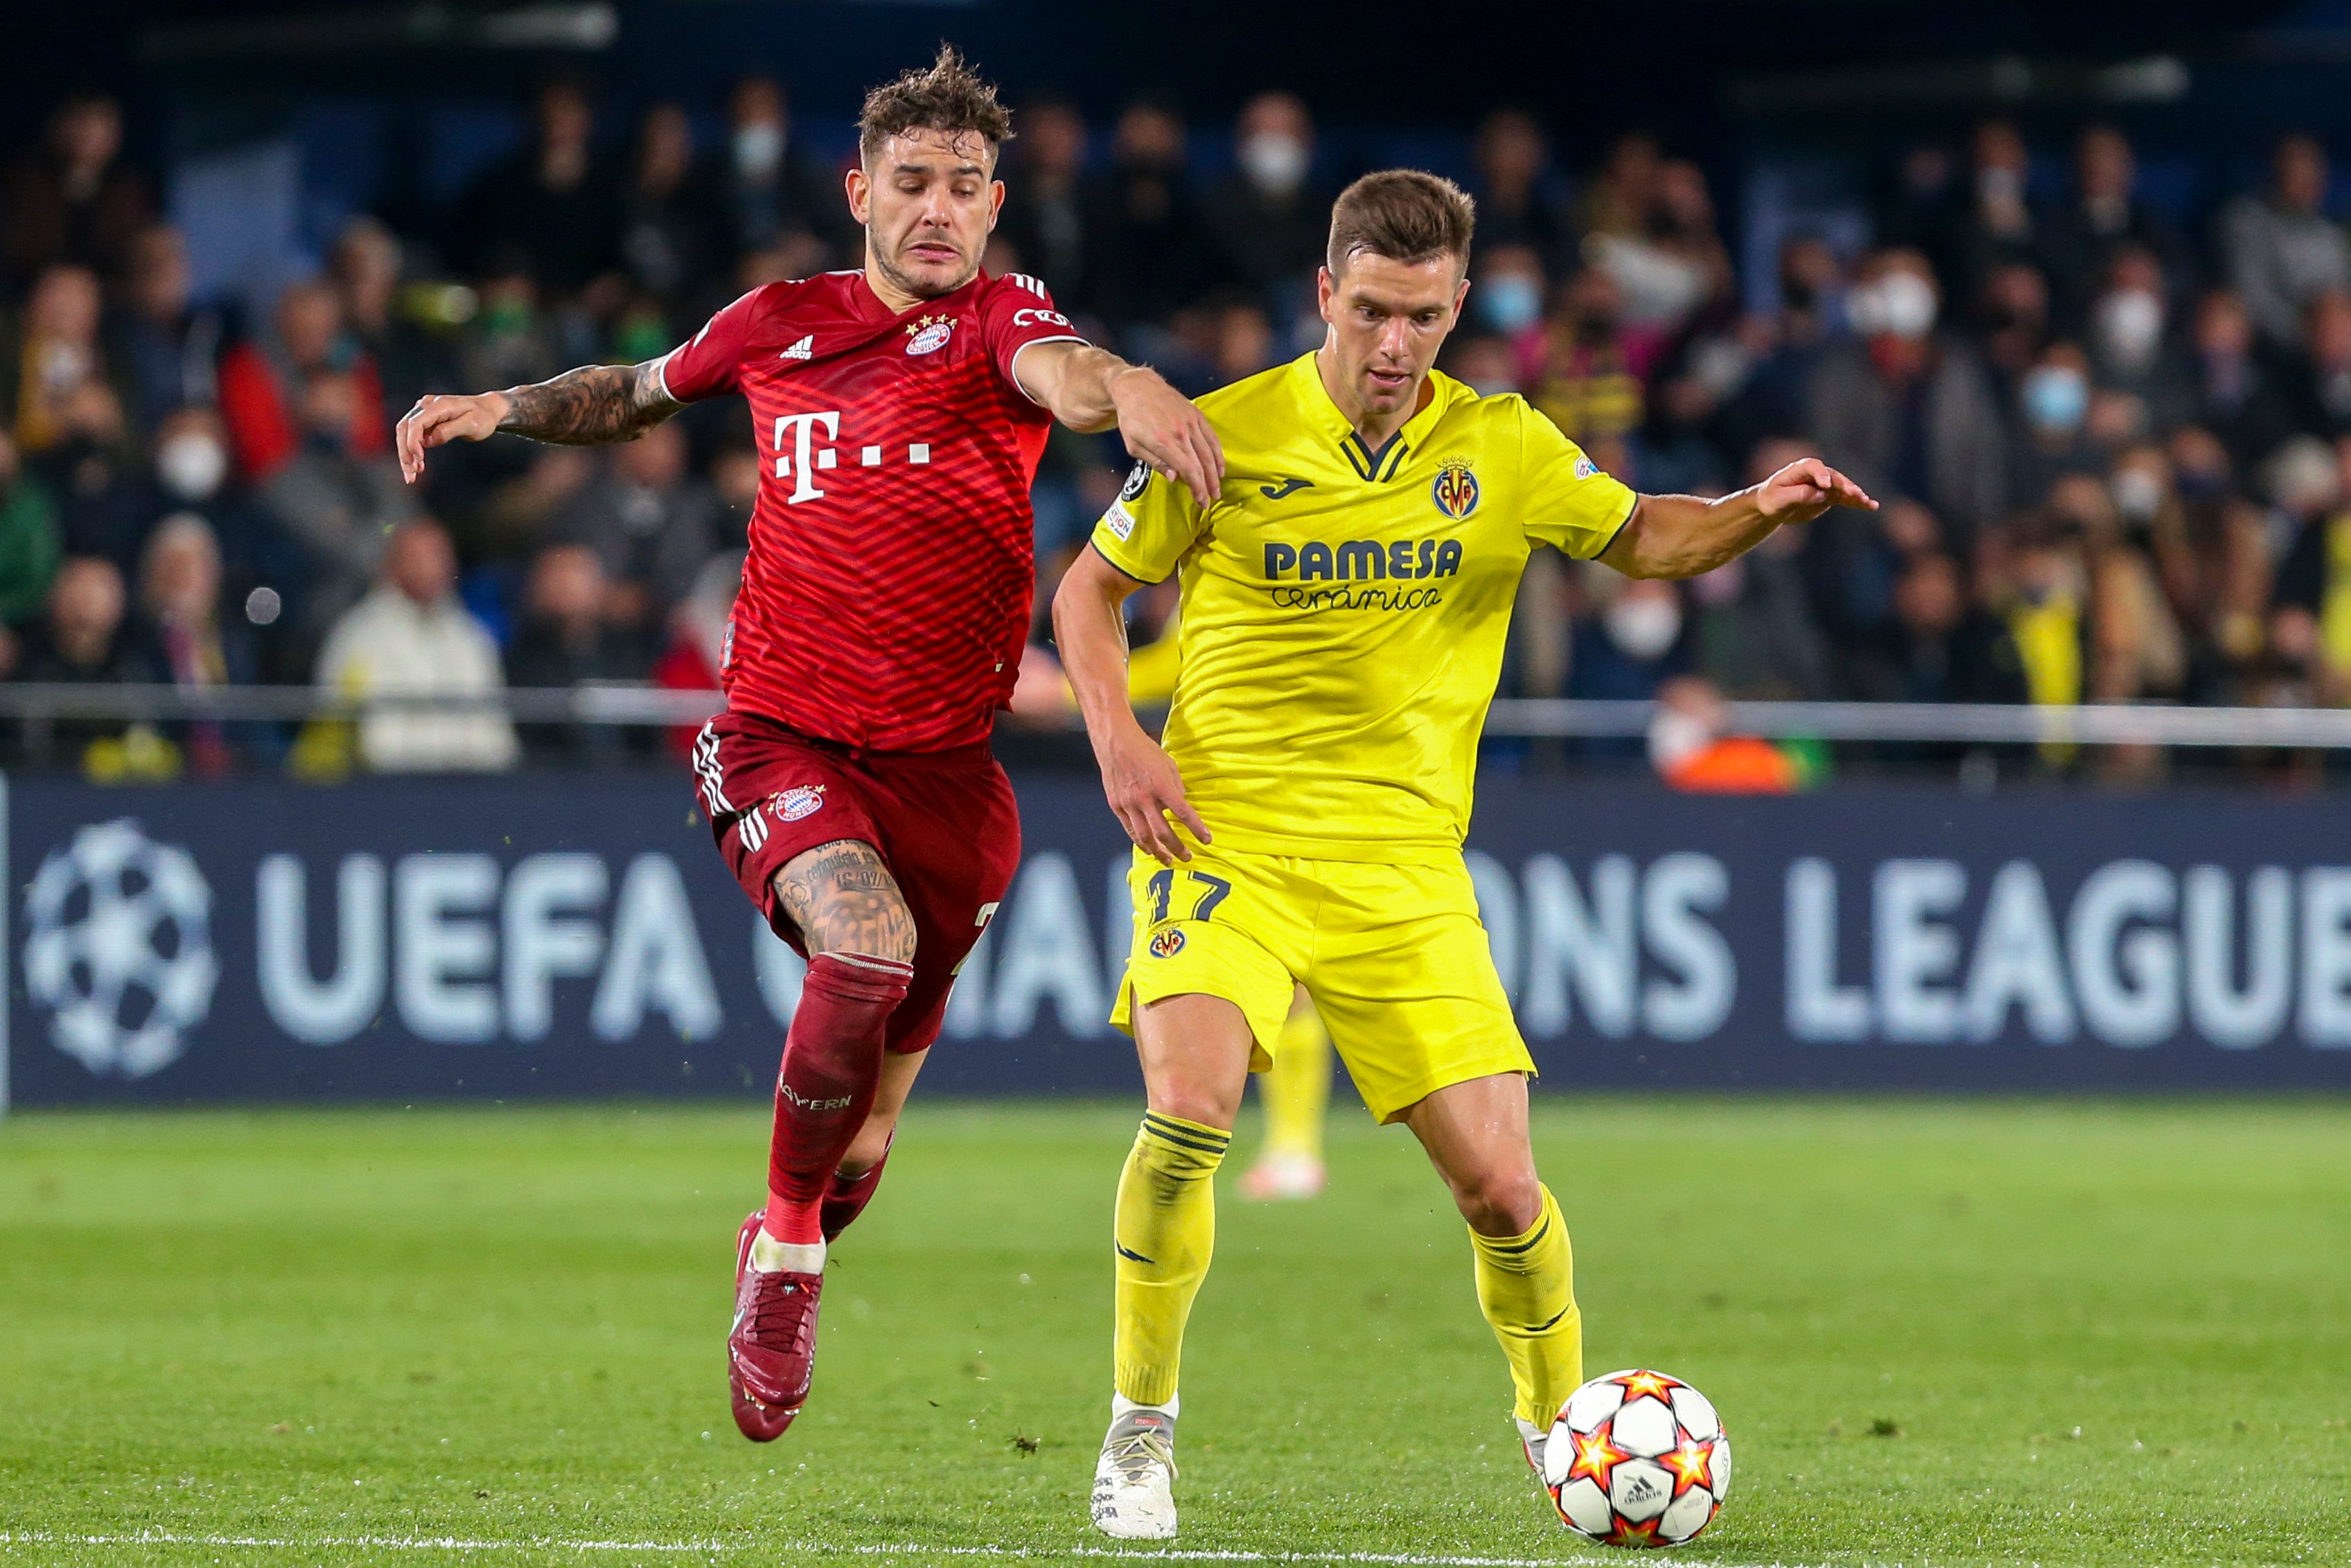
(1940, 1333)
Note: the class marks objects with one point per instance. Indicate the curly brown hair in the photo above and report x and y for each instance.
(947, 95)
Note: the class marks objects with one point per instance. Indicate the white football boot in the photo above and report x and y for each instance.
(1531, 1439)
(1134, 1479)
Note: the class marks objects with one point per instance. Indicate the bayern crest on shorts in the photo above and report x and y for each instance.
(1455, 490)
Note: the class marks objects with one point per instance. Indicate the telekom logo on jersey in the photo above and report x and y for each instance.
(800, 459)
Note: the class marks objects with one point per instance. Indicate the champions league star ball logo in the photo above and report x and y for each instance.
(119, 950)
(1454, 491)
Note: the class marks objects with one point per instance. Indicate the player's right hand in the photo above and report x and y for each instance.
(1144, 791)
(439, 419)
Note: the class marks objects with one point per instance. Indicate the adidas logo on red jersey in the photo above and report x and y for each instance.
(803, 350)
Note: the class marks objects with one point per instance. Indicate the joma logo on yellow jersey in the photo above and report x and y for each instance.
(1363, 560)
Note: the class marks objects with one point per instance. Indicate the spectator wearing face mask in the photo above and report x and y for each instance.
(336, 504)
(2281, 249)
(2131, 346)
(1044, 213)
(2102, 217)
(167, 346)
(55, 360)
(1997, 222)
(72, 200)
(411, 637)
(1506, 301)
(2238, 394)
(191, 479)
(1692, 749)
(1272, 217)
(772, 194)
(1907, 411)
(262, 384)
(1636, 641)
(2053, 422)
(1672, 267)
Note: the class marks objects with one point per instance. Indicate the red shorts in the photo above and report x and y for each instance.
(943, 821)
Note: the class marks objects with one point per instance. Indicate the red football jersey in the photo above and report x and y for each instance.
(885, 596)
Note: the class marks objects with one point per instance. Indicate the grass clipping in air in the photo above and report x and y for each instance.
(1949, 1333)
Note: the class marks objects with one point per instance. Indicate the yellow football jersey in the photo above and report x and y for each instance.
(1344, 609)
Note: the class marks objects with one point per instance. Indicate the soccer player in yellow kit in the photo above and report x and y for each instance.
(1344, 603)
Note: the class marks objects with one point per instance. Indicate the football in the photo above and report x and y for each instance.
(1637, 1458)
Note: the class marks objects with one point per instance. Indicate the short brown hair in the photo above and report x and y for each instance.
(1403, 215)
(947, 95)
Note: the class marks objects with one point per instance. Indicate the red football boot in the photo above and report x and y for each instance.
(771, 1352)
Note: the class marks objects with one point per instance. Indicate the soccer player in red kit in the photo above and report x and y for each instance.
(900, 412)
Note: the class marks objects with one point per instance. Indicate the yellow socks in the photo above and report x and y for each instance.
(1297, 1090)
(1527, 1286)
(1166, 1230)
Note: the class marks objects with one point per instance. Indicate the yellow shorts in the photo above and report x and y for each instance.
(1394, 956)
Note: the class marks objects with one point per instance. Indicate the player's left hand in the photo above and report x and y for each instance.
(1162, 428)
(1804, 490)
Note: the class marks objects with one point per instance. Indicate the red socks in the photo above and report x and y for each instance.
(847, 1196)
(833, 1063)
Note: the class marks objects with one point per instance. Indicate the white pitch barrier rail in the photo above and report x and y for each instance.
(623, 704)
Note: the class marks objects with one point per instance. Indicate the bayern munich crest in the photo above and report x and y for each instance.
(930, 335)
(1456, 490)
(799, 802)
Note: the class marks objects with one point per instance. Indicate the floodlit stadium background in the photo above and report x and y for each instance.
(2042, 756)
(1959, 1104)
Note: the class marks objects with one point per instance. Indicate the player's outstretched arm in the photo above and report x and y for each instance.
(1139, 778)
(1685, 535)
(586, 407)
(1090, 389)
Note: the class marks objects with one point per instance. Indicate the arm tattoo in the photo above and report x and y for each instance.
(845, 900)
(590, 405)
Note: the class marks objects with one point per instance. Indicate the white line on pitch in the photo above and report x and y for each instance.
(700, 1548)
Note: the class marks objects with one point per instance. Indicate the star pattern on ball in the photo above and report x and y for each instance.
(1596, 1455)
(1692, 1464)
(1628, 1533)
(1656, 1385)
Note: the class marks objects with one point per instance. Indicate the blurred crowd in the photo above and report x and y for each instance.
(2114, 442)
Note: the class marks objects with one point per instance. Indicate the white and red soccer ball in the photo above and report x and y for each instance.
(1637, 1458)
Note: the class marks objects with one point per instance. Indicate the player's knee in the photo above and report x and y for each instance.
(1499, 1201)
(873, 1141)
(1194, 1099)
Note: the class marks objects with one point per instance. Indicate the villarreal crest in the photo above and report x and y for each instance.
(1455, 490)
